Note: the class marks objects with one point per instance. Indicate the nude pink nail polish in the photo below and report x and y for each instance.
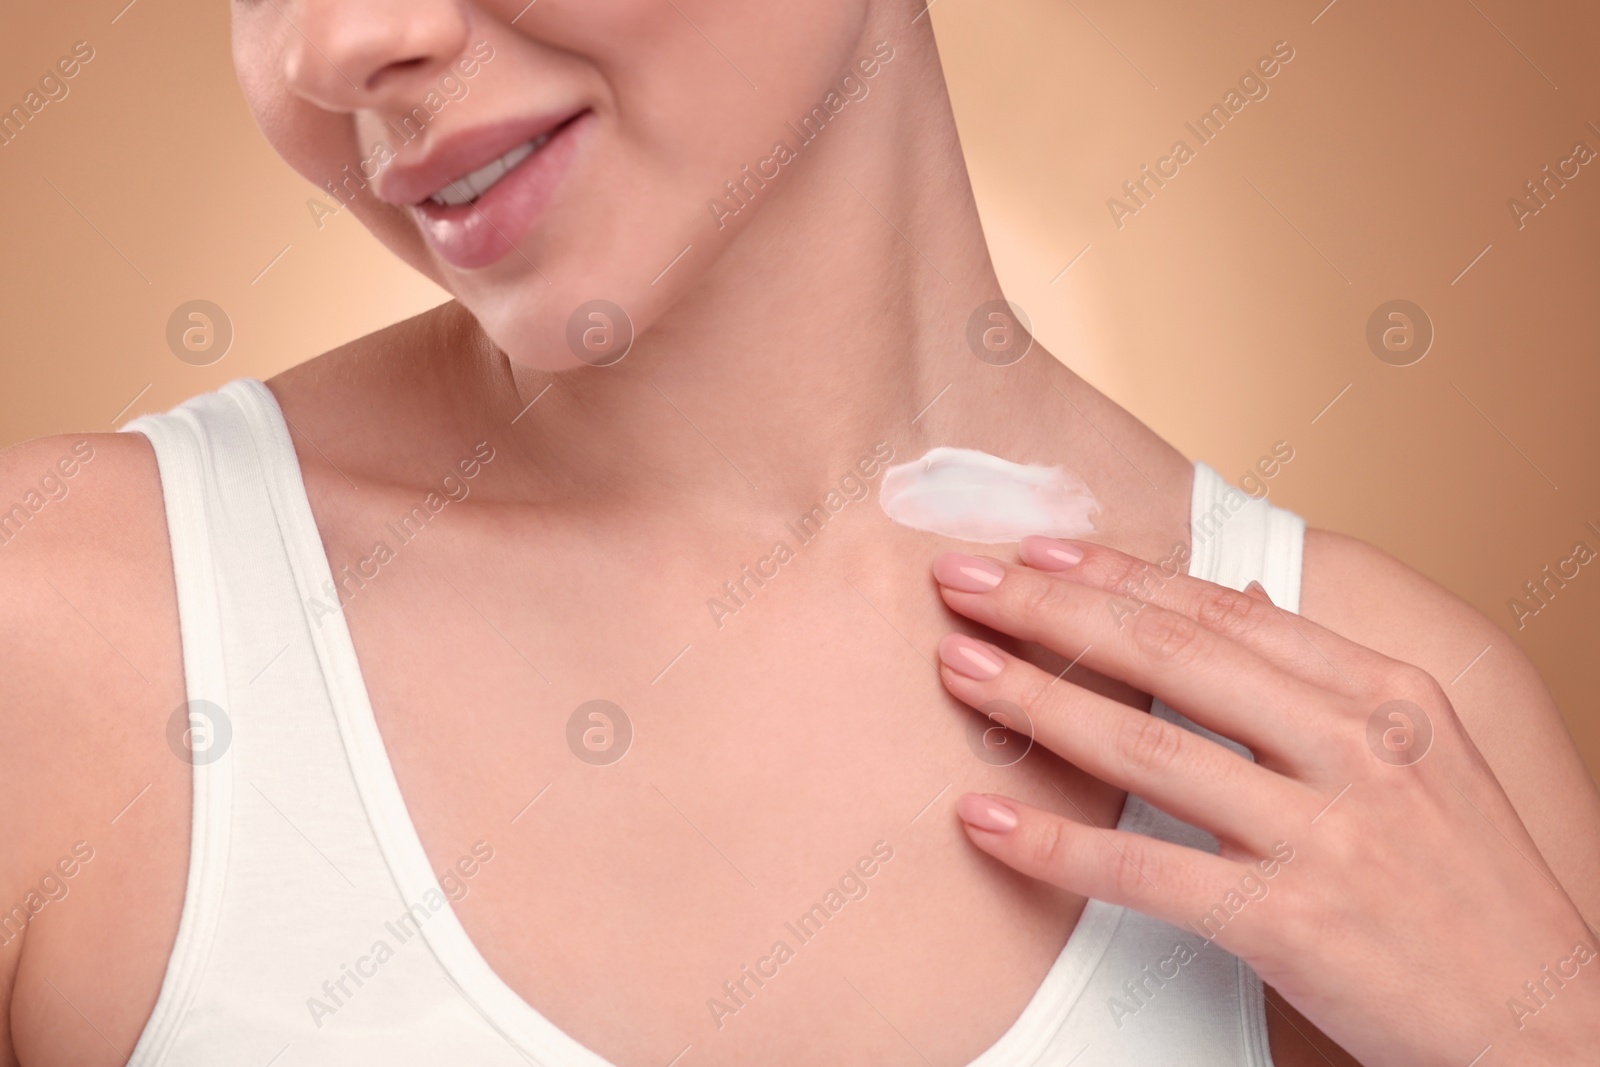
(1049, 554)
(970, 657)
(967, 574)
(986, 813)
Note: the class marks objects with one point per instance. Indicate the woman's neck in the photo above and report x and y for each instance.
(836, 319)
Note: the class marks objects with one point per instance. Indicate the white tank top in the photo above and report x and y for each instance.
(339, 946)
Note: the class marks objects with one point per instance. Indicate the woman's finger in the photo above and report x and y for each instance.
(1184, 774)
(1195, 890)
(1213, 679)
(1293, 642)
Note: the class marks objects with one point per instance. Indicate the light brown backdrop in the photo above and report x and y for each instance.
(1229, 311)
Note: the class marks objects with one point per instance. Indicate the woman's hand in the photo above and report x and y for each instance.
(1371, 868)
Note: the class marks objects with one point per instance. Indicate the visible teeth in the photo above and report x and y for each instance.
(468, 188)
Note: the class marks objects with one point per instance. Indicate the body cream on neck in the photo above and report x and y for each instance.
(974, 496)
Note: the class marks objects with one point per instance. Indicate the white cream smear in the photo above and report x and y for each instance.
(973, 496)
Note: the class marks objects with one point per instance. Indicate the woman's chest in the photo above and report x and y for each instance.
(730, 829)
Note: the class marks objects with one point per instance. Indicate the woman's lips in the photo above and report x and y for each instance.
(469, 236)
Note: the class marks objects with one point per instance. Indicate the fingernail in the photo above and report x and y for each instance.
(964, 655)
(986, 813)
(1256, 588)
(1048, 554)
(967, 574)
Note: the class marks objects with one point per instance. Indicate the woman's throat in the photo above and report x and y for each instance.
(973, 496)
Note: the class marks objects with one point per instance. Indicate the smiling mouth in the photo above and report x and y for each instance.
(468, 187)
(476, 217)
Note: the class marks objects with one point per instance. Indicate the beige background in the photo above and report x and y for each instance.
(1227, 313)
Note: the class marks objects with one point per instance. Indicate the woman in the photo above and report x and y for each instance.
(535, 679)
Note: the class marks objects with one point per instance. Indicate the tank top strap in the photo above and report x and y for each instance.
(195, 492)
(1235, 538)
(291, 903)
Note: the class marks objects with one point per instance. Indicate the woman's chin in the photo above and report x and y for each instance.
(554, 330)
(527, 346)
(535, 344)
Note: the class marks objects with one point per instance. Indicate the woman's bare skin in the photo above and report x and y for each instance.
(804, 729)
(792, 755)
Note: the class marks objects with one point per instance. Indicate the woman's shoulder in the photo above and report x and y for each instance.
(90, 660)
(1361, 592)
(1356, 589)
(83, 554)
(96, 800)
